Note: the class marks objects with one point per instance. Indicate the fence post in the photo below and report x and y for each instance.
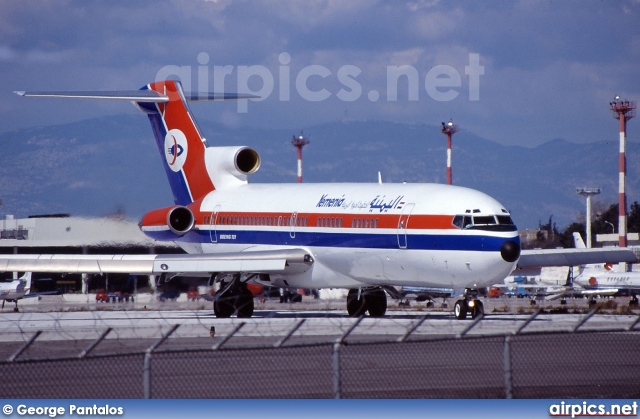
(95, 343)
(25, 346)
(335, 357)
(335, 364)
(146, 374)
(508, 391)
(288, 335)
(146, 366)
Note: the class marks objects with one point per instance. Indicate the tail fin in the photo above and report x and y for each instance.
(179, 141)
(579, 243)
(25, 282)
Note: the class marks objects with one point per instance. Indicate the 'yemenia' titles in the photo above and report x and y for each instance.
(330, 202)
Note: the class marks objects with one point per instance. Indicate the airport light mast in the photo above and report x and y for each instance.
(299, 142)
(622, 111)
(449, 129)
(588, 192)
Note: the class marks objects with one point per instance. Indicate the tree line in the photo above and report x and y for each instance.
(604, 222)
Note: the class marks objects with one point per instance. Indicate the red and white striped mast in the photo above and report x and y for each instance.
(449, 129)
(623, 111)
(299, 142)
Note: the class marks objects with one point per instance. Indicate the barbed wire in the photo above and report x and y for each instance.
(69, 329)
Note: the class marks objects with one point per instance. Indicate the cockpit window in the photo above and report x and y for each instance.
(504, 219)
(484, 220)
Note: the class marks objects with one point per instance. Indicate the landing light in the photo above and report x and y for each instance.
(472, 303)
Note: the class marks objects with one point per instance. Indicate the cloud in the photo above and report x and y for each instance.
(533, 52)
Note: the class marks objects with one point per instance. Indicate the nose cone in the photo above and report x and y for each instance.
(510, 251)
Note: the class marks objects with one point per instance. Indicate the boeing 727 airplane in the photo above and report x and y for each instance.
(362, 237)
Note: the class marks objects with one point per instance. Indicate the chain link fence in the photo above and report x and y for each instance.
(574, 364)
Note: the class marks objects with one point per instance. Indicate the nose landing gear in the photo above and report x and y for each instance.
(468, 305)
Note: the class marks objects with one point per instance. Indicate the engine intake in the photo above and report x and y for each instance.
(230, 166)
(247, 160)
(180, 220)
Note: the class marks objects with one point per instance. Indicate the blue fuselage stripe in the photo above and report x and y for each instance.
(460, 242)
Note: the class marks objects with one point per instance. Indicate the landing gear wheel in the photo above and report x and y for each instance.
(376, 302)
(633, 302)
(460, 309)
(233, 298)
(478, 309)
(244, 304)
(223, 307)
(356, 306)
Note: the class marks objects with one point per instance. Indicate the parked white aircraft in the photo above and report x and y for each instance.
(362, 237)
(601, 279)
(15, 290)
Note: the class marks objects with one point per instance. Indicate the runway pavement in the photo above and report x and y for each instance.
(66, 329)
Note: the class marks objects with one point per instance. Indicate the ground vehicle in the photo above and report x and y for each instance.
(101, 296)
(494, 292)
(193, 294)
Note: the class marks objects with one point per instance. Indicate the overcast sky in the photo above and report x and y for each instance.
(516, 72)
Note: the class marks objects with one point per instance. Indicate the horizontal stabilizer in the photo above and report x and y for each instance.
(146, 95)
(129, 95)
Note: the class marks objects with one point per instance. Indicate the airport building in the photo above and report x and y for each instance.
(61, 233)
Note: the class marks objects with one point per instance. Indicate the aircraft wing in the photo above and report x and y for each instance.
(574, 257)
(249, 261)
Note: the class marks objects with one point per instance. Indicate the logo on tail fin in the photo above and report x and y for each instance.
(175, 145)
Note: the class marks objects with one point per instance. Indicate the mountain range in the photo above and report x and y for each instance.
(109, 165)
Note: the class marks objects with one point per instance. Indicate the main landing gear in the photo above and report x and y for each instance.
(233, 297)
(15, 309)
(372, 300)
(468, 305)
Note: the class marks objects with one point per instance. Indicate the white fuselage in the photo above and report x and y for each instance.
(359, 234)
(13, 290)
(600, 278)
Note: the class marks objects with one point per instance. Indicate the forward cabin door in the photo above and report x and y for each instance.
(403, 225)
